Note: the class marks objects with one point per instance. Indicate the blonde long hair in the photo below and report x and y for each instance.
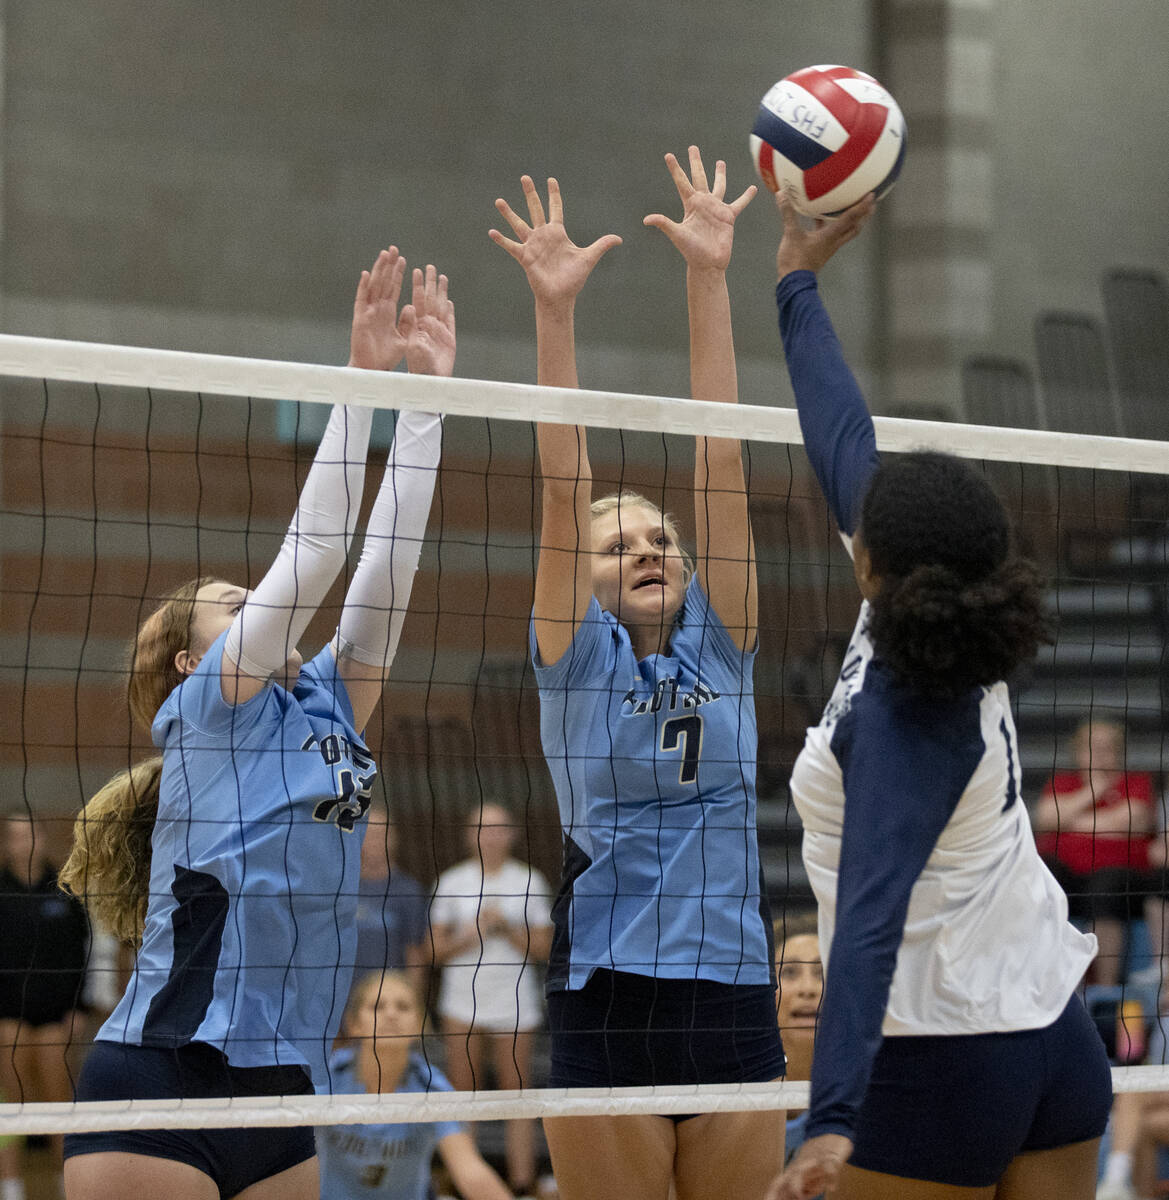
(108, 869)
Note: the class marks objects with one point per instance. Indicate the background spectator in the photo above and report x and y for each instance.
(43, 953)
(11, 1177)
(391, 907)
(1093, 827)
(382, 1023)
(1140, 1128)
(800, 975)
(491, 922)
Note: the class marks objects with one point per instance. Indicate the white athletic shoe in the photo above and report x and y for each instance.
(1115, 1191)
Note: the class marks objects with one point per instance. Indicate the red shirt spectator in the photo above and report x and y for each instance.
(1098, 816)
(1092, 849)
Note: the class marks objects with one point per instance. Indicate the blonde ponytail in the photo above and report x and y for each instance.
(109, 867)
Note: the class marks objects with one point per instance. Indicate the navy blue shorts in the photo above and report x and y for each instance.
(957, 1110)
(233, 1158)
(624, 1030)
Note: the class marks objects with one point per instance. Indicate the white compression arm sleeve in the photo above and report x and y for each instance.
(376, 603)
(268, 627)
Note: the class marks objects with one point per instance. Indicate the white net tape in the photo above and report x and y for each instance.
(420, 1107)
(129, 366)
(402, 1107)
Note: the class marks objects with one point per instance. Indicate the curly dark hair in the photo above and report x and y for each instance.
(957, 608)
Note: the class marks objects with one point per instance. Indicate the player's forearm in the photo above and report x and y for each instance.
(379, 594)
(713, 374)
(856, 993)
(837, 428)
(480, 1182)
(271, 623)
(565, 471)
(471, 1174)
(556, 345)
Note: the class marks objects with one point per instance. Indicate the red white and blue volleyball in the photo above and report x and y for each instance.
(826, 136)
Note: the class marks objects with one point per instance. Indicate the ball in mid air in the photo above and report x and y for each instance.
(826, 136)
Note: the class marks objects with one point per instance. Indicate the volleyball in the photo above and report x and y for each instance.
(826, 136)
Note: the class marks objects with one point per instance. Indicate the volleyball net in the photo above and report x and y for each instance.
(126, 471)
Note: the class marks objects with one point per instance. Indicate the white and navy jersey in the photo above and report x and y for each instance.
(383, 1162)
(250, 930)
(937, 916)
(654, 766)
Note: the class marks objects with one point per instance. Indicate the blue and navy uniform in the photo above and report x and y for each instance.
(654, 766)
(389, 1162)
(939, 923)
(249, 935)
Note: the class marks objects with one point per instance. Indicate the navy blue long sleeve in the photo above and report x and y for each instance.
(905, 762)
(838, 431)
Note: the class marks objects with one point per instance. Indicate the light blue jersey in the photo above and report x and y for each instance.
(654, 767)
(386, 1162)
(249, 939)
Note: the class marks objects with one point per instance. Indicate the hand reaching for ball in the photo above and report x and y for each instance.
(807, 247)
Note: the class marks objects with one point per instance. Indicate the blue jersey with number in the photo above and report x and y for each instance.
(386, 1162)
(654, 766)
(249, 939)
(937, 916)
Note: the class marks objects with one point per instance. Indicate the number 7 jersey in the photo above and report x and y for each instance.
(654, 766)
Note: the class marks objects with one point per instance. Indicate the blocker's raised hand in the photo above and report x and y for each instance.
(375, 341)
(556, 267)
(428, 323)
(707, 229)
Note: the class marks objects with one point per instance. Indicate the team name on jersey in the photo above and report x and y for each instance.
(346, 1142)
(667, 695)
(354, 792)
(842, 695)
(337, 746)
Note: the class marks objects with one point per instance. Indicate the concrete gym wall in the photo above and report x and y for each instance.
(1081, 156)
(214, 176)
